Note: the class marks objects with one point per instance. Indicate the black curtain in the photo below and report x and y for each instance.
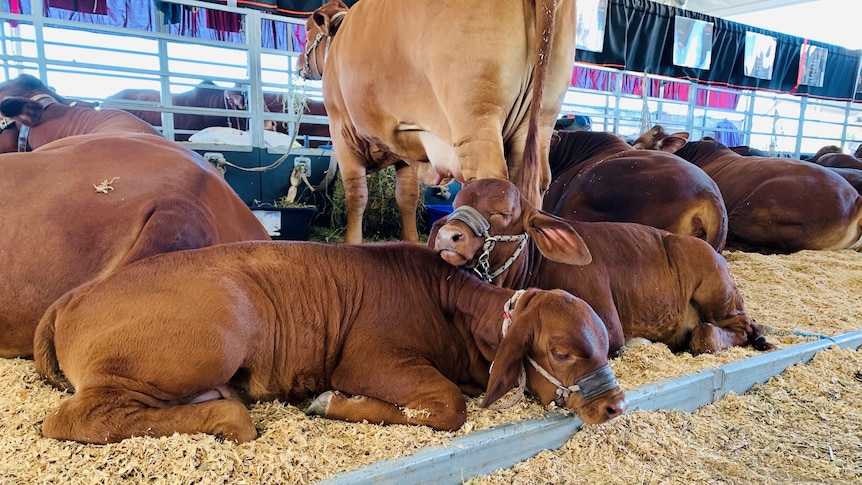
(639, 36)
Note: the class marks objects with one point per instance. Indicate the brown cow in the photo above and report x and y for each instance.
(832, 156)
(851, 175)
(152, 348)
(400, 87)
(205, 95)
(33, 103)
(599, 177)
(318, 133)
(780, 205)
(641, 281)
(82, 205)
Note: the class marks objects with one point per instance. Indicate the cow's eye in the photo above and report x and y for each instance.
(560, 355)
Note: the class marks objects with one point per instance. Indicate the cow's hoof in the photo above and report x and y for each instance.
(320, 405)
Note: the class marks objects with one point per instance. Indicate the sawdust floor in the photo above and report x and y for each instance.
(803, 426)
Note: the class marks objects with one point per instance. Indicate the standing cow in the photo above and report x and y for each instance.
(455, 88)
(599, 177)
(642, 281)
(780, 205)
(205, 95)
(99, 190)
(156, 347)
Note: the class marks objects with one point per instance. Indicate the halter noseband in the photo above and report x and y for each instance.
(480, 226)
(316, 72)
(590, 385)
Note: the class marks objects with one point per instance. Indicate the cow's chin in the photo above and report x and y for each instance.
(452, 257)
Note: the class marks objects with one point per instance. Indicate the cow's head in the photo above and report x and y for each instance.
(320, 28)
(658, 139)
(491, 213)
(556, 346)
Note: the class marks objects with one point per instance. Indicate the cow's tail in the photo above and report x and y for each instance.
(44, 351)
(531, 170)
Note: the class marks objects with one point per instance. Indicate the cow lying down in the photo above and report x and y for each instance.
(180, 342)
(642, 281)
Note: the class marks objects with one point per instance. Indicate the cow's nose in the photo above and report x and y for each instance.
(449, 234)
(616, 409)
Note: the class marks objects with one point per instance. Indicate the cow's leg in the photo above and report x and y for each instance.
(407, 196)
(430, 400)
(355, 199)
(108, 415)
(730, 332)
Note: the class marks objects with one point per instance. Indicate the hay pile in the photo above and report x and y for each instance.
(803, 426)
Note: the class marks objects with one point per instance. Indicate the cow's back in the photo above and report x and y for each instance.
(84, 205)
(785, 205)
(599, 177)
(640, 276)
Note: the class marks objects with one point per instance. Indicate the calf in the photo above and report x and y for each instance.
(152, 348)
(780, 205)
(599, 177)
(92, 197)
(641, 281)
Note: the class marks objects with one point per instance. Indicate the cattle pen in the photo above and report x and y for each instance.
(790, 415)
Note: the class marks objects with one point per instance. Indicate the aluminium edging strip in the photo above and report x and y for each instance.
(503, 446)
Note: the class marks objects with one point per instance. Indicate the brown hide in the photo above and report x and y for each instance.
(282, 320)
(853, 176)
(84, 204)
(399, 86)
(599, 177)
(205, 95)
(641, 281)
(838, 160)
(779, 204)
(53, 117)
(277, 103)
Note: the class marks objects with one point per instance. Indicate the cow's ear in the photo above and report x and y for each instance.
(435, 228)
(672, 143)
(509, 361)
(556, 239)
(320, 20)
(22, 110)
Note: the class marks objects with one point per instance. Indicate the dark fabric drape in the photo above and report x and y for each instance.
(98, 7)
(639, 36)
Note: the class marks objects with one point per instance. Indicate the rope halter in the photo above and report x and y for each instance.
(44, 100)
(480, 226)
(316, 72)
(590, 385)
(6, 123)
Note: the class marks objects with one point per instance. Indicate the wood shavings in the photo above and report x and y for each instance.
(802, 426)
(105, 186)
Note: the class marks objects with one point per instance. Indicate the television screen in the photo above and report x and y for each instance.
(759, 55)
(592, 17)
(812, 65)
(692, 43)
